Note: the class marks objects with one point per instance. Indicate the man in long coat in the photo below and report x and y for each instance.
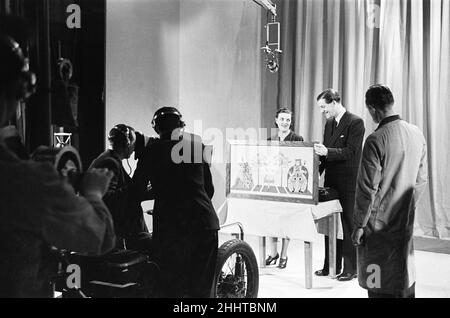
(392, 175)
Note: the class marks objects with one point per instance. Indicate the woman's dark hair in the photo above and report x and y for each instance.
(283, 110)
(379, 96)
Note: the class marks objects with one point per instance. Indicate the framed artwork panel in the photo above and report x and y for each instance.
(272, 170)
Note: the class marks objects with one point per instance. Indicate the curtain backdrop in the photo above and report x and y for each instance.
(350, 44)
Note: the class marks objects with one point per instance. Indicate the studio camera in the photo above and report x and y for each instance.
(66, 161)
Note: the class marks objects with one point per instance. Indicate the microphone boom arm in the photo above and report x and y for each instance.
(268, 5)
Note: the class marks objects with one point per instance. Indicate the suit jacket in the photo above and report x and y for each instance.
(392, 176)
(344, 152)
(181, 182)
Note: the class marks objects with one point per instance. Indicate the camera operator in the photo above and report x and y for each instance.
(128, 217)
(38, 209)
(185, 224)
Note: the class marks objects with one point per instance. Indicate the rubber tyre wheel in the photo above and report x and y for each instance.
(237, 246)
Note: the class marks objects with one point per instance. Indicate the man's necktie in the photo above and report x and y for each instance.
(333, 126)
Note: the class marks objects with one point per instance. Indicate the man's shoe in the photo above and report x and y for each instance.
(337, 275)
(321, 272)
(344, 277)
(272, 259)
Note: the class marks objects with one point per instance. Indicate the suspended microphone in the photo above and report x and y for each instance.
(272, 47)
(272, 65)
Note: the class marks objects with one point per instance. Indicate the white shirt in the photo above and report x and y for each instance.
(338, 118)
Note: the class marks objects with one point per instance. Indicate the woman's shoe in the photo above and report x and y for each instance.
(283, 262)
(272, 260)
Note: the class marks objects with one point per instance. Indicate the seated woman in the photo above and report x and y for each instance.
(283, 121)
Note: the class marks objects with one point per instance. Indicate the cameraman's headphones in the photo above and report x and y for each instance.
(164, 112)
(121, 132)
(16, 80)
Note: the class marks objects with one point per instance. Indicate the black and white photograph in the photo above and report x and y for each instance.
(253, 150)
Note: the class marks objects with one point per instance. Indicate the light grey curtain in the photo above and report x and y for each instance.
(350, 44)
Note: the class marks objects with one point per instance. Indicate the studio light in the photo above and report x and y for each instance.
(272, 46)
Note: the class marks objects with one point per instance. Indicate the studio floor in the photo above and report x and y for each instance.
(432, 273)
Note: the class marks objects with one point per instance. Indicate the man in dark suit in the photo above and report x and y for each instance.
(185, 224)
(340, 156)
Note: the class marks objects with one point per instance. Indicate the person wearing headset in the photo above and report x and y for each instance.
(129, 222)
(39, 209)
(185, 224)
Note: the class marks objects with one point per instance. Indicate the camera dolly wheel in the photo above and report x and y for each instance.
(237, 274)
